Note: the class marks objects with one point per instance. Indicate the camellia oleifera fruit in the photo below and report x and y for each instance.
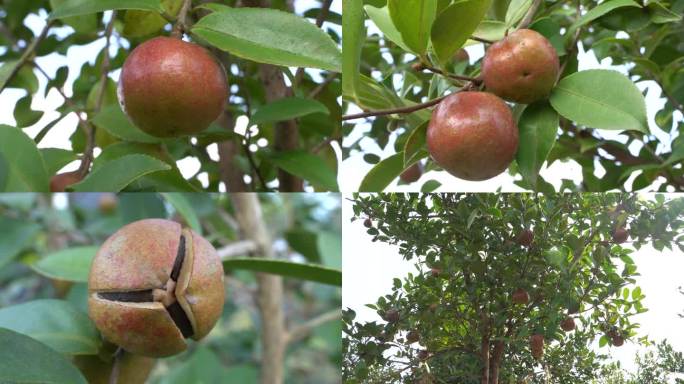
(391, 316)
(170, 87)
(412, 173)
(568, 324)
(522, 67)
(620, 235)
(520, 296)
(537, 346)
(153, 284)
(525, 238)
(472, 135)
(412, 337)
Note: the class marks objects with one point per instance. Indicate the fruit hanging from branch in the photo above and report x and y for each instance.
(568, 324)
(620, 235)
(537, 346)
(472, 135)
(153, 284)
(525, 238)
(412, 336)
(522, 67)
(391, 316)
(412, 173)
(170, 87)
(520, 296)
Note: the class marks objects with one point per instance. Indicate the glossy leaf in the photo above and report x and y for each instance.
(599, 11)
(383, 173)
(287, 109)
(15, 235)
(413, 19)
(270, 36)
(56, 158)
(71, 264)
(449, 36)
(310, 272)
(538, 126)
(56, 323)
(352, 44)
(184, 208)
(81, 7)
(306, 166)
(516, 11)
(600, 99)
(115, 121)
(29, 361)
(382, 19)
(26, 170)
(117, 174)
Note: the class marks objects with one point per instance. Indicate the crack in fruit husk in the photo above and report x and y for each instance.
(176, 312)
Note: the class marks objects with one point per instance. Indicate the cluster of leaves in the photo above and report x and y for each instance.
(645, 39)
(246, 40)
(45, 255)
(464, 311)
(655, 366)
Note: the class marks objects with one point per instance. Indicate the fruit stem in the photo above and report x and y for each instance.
(180, 25)
(481, 40)
(451, 75)
(393, 111)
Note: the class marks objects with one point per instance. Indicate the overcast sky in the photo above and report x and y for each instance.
(369, 268)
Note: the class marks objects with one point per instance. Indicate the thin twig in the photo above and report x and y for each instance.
(393, 111)
(180, 26)
(116, 366)
(305, 329)
(252, 163)
(451, 75)
(322, 14)
(26, 56)
(328, 79)
(236, 249)
(527, 20)
(481, 40)
(87, 159)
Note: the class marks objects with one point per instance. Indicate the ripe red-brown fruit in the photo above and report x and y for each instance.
(537, 346)
(620, 235)
(472, 135)
(60, 182)
(412, 337)
(461, 55)
(153, 284)
(412, 173)
(170, 87)
(391, 316)
(568, 324)
(525, 238)
(522, 67)
(520, 296)
(368, 223)
(433, 307)
(423, 354)
(618, 340)
(435, 272)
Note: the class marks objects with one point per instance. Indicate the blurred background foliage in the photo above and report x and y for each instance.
(304, 228)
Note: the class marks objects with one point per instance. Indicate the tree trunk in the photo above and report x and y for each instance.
(287, 132)
(495, 362)
(270, 293)
(485, 359)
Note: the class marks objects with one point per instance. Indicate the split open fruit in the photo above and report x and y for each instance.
(153, 284)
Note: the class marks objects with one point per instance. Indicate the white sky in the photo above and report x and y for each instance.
(369, 268)
(59, 135)
(354, 168)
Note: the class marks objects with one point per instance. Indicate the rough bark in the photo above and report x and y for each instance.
(270, 292)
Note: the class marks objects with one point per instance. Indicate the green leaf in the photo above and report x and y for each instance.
(5, 71)
(15, 235)
(447, 35)
(56, 323)
(677, 152)
(29, 361)
(602, 99)
(538, 126)
(56, 158)
(24, 115)
(287, 109)
(516, 11)
(330, 248)
(415, 143)
(304, 242)
(381, 18)
(270, 36)
(307, 166)
(382, 174)
(599, 11)
(117, 174)
(71, 264)
(352, 44)
(430, 186)
(413, 19)
(81, 24)
(115, 121)
(26, 170)
(184, 208)
(310, 272)
(81, 7)
(202, 367)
